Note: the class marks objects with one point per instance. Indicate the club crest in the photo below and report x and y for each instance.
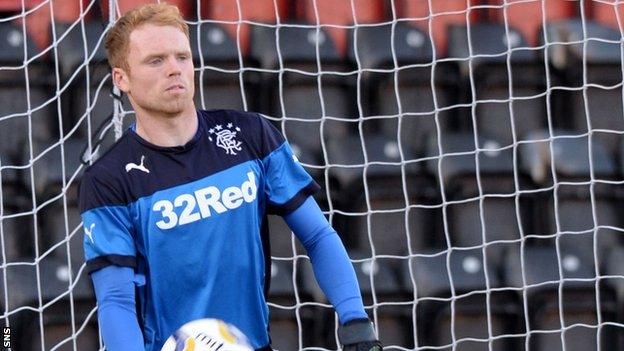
(225, 138)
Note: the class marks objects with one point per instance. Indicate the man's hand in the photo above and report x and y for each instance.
(358, 335)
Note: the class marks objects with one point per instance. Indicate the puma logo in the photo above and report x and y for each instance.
(130, 166)
(89, 232)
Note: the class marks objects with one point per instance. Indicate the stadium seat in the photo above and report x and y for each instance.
(568, 204)
(593, 72)
(378, 278)
(542, 270)
(527, 17)
(411, 103)
(321, 331)
(283, 313)
(336, 15)
(13, 5)
(282, 238)
(123, 6)
(38, 17)
(69, 11)
(17, 105)
(606, 13)
(263, 11)
(59, 220)
(376, 209)
(613, 278)
(87, 105)
(74, 66)
(486, 61)
(300, 95)
(16, 229)
(61, 313)
(484, 207)
(451, 300)
(218, 81)
(37, 21)
(442, 14)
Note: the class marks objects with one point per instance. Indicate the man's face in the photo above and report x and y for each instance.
(160, 75)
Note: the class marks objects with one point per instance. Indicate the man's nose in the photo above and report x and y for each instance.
(173, 67)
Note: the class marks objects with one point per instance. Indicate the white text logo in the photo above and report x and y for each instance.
(89, 232)
(207, 200)
(130, 166)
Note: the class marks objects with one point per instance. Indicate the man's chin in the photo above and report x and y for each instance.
(174, 108)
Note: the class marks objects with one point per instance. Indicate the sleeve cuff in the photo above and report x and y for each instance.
(295, 201)
(109, 260)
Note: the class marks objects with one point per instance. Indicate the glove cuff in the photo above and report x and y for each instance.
(356, 331)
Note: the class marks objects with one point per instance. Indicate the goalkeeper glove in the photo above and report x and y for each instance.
(358, 335)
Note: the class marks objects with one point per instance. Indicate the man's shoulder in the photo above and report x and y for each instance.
(253, 128)
(103, 182)
(238, 117)
(107, 166)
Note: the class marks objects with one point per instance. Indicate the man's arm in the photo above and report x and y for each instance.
(114, 290)
(335, 275)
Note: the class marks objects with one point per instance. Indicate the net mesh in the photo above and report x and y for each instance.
(469, 153)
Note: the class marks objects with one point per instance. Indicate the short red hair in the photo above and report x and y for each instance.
(118, 37)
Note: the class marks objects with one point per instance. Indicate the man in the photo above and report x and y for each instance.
(177, 207)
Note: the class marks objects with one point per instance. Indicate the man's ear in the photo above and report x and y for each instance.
(120, 79)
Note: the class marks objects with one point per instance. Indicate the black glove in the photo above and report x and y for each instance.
(358, 335)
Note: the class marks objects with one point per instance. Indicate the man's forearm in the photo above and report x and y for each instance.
(332, 267)
(114, 289)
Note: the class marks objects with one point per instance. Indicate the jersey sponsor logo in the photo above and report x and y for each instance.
(225, 138)
(130, 166)
(89, 232)
(205, 202)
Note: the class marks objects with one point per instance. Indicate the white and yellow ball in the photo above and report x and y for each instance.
(207, 335)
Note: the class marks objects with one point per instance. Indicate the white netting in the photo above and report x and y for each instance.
(469, 153)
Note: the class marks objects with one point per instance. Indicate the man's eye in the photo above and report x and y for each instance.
(183, 57)
(155, 61)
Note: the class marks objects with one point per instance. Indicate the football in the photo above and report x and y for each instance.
(207, 335)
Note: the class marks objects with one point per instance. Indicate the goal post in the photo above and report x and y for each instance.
(470, 154)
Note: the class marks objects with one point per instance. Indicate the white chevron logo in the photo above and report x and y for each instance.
(130, 166)
(89, 232)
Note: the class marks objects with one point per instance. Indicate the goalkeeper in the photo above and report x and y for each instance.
(176, 210)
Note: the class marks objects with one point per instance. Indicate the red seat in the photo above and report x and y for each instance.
(250, 10)
(38, 22)
(442, 14)
(10, 5)
(605, 13)
(69, 11)
(185, 6)
(526, 16)
(340, 13)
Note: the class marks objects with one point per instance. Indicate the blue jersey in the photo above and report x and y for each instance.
(191, 220)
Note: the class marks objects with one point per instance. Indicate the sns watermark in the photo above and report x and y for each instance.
(6, 337)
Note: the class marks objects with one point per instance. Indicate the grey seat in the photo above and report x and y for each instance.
(593, 74)
(450, 290)
(485, 206)
(395, 89)
(51, 285)
(24, 94)
(313, 103)
(500, 78)
(570, 206)
(540, 272)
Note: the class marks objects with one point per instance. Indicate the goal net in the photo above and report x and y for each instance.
(470, 154)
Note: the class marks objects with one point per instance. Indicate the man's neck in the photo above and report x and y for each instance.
(167, 131)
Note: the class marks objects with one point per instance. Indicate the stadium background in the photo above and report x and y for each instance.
(470, 153)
